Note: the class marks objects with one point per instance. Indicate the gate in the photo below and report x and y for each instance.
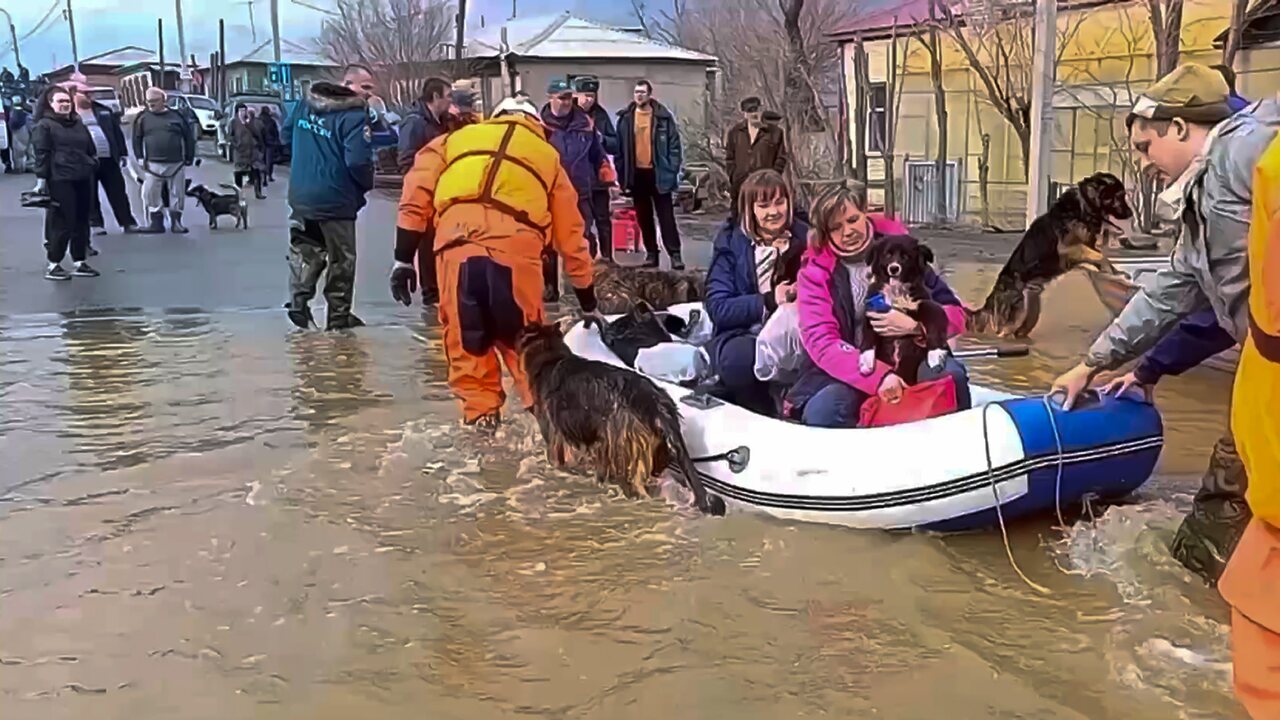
(922, 191)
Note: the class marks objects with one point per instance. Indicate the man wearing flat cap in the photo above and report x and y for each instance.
(752, 145)
(1185, 128)
(586, 91)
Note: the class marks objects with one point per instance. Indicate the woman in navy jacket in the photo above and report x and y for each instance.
(753, 270)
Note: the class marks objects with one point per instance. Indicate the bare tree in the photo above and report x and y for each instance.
(892, 104)
(398, 39)
(999, 53)
(773, 49)
(1166, 33)
(1235, 32)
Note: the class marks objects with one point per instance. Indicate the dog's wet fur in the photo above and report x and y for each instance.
(898, 264)
(1067, 237)
(628, 425)
(216, 204)
(619, 287)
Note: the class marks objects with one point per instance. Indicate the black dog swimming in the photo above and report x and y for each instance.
(1067, 237)
(898, 265)
(628, 425)
(216, 204)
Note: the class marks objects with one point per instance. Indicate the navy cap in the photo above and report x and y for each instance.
(586, 85)
(559, 87)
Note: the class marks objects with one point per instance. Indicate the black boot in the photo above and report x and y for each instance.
(677, 263)
(257, 186)
(157, 224)
(344, 322)
(651, 260)
(301, 318)
(175, 223)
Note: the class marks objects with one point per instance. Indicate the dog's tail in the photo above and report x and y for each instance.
(232, 188)
(682, 463)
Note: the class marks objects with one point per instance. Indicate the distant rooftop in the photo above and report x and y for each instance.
(291, 53)
(127, 55)
(567, 36)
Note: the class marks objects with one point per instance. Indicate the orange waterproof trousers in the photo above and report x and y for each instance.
(485, 299)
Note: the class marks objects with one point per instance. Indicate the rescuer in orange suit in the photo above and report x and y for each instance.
(496, 196)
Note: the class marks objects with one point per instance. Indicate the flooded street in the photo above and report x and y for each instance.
(204, 514)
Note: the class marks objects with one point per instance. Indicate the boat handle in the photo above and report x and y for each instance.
(737, 458)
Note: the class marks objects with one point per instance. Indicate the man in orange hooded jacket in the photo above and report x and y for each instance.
(496, 196)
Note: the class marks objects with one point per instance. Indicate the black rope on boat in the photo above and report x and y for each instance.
(737, 458)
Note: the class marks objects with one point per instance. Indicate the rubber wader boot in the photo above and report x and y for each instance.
(175, 223)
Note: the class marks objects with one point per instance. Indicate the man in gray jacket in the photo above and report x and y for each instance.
(1183, 125)
(165, 146)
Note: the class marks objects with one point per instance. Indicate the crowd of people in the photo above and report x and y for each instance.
(78, 147)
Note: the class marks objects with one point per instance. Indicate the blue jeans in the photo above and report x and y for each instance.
(837, 405)
(736, 365)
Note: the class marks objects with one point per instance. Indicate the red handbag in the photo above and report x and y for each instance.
(919, 402)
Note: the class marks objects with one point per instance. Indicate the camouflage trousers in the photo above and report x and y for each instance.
(314, 247)
(1218, 517)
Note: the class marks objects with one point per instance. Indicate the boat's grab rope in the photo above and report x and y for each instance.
(737, 458)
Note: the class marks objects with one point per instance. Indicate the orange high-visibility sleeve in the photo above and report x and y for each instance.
(417, 199)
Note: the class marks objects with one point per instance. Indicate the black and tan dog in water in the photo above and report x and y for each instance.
(1067, 237)
(627, 425)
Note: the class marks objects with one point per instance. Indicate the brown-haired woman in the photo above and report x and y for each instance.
(832, 294)
(65, 162)
(753, 270)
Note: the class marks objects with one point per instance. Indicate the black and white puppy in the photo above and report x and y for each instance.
(898, 265)
(216, 204)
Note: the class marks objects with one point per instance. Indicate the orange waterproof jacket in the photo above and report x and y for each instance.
(1255, 408)
(497, 184)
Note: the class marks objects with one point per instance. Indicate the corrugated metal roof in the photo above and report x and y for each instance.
(567, 36)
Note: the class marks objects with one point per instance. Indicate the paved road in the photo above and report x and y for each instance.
(208, 270)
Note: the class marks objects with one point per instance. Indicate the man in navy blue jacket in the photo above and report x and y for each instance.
(332, 171)
(1219, 512)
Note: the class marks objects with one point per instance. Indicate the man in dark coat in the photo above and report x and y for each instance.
(571, 132)
(246, 150)
(112, 153)
(649, 160)
(587, 92)
(424, 123)
(752, 145)
(269, 131)
(332, 172)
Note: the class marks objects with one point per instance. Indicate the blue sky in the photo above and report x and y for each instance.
(102, 25)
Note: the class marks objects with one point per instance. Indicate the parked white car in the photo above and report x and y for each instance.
(204, 109)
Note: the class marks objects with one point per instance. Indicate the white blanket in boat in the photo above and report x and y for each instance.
(779, 351)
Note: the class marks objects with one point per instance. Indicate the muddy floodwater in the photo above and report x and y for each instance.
(205, 515)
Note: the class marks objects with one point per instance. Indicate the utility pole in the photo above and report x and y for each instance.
(1045, 46)
(462, 37)
(13, 35)
(160, 34)
(275, 29)
(222, 60)
(184, 74)
(75, 50)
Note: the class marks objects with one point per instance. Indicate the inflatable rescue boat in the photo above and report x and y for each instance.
(1007, 457)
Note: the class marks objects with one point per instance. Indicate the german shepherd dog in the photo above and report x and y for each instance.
(898, 264)
(629, 426)
(216, 204)
(1065, 238)
(619, 287)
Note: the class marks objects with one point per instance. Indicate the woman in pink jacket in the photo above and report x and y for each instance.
(832, 290)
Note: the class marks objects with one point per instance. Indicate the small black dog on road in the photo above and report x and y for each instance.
(898, 265)
(1069, 236)
(629, 426)
(216, 204)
